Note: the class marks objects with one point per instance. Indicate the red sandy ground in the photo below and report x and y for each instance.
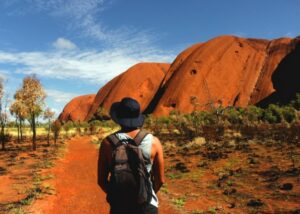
(76, 186)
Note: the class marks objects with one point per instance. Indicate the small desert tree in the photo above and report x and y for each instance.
(3, 113)
(2, 117)
(18, 109)
(56, 128)
(32, 95)
(49, 115)
(67, 127)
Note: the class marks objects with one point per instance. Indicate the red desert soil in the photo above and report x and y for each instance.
(78, 108)
(76, 184)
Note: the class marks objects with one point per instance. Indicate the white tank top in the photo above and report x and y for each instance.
(145, 146)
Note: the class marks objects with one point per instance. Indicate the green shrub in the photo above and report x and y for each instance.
(85, 126)
(296, 102)
(96, 123)
(269, 117)
(78, 130)
(101, 113)
(288, 114)
(199, 123)
(158, 124)
(183, 124)
(233, 115)
(109, 124)
(68, 126)
(149, 122)
(204, 118)
(273, 114)
(254, 114)
(93, 126)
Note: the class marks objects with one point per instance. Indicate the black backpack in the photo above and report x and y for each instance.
(129, 181)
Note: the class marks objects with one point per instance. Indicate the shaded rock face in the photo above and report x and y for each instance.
(140, 82)
(231, 71)
(286, 77)
(78, 108)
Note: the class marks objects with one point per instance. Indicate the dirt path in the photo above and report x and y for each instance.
(76, 184)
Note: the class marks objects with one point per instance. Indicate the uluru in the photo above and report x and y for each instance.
(78, 108)
(231, 71)
(224, 71)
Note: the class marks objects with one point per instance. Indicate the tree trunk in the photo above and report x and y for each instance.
(18, 127)
(48, 137)
(2, 137)
(33, 132)
(21, 129)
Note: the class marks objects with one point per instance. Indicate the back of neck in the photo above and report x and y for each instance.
(131, 132)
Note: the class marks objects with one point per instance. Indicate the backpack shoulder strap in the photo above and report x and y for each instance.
(140, 137)
(114, 141)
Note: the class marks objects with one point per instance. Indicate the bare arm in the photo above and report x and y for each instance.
(103, 169)
(158, 165)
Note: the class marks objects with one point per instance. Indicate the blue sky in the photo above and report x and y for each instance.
(76, 46)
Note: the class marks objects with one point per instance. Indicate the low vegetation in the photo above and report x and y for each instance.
(214, 124)
(232, 160)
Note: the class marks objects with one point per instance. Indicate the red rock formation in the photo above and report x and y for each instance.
(227, 71)
(179, 60)
(140, 82)
(78, 108)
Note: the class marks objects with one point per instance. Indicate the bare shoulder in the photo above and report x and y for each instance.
(156, 140)
(156, 144)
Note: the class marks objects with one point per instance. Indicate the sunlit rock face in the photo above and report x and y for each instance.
(224, 71)
(231, 71)
(77, 109)
(140, 82)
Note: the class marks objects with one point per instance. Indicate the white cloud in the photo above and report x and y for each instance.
(90, 66)
(64, 44)
(3, 74)
(80, 13)
(83, 17)
(123, 47)
(59, 96)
